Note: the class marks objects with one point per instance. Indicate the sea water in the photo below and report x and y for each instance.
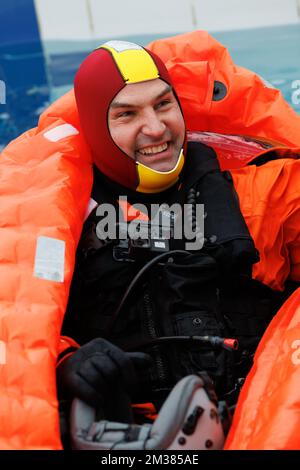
(272, 52)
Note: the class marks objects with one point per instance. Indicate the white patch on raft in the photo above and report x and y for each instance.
(2, 353)
(60, 132)
(49, 260)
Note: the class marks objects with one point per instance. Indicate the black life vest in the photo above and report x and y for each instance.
(206, 293)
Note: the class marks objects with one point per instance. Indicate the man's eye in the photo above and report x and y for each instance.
(125, 114)
(163, 103)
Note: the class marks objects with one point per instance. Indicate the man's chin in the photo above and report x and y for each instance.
(163, 165)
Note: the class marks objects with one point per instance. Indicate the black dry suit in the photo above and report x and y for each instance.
(141, 296)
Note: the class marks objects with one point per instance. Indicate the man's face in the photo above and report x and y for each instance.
(146, 123)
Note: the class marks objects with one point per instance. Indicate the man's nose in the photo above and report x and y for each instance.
(153, 125)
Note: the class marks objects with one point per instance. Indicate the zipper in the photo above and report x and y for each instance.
(151, 330)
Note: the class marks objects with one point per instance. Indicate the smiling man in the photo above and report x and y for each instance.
(132, 121)
(146, 122)
(127, 106)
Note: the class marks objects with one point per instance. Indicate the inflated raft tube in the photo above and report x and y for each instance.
(267, 415)
(45, 186)
(219, 96)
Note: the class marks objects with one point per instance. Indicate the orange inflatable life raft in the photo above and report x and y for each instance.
(267, 413)
(45, 186)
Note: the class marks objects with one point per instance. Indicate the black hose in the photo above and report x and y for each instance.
(136, 279)
(231, 344)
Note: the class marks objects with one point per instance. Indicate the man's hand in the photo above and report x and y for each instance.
(96, 368)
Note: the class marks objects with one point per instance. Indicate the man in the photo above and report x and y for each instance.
(133, 123)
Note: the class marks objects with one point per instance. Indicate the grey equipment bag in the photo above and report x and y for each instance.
(188, 420)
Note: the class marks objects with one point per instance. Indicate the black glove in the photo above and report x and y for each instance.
(94, 371)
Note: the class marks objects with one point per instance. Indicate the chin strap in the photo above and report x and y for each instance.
(152, 181)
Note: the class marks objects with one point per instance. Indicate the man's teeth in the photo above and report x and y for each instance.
(153, 150)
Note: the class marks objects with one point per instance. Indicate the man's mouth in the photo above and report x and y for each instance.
(154, 149)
